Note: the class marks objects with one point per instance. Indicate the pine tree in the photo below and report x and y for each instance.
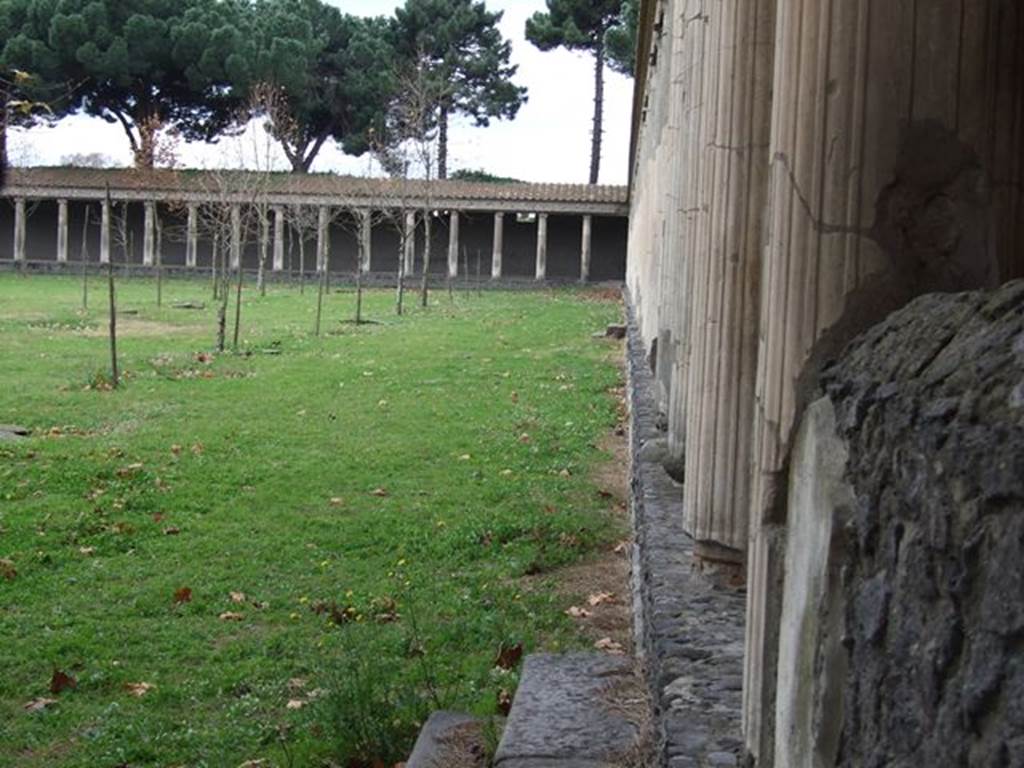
(466, 57)
(585, 25)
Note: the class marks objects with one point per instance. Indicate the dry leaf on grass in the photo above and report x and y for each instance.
(38, 705)
(87, 551)
(237, 597)
(7, 570)
(509, 656)
(295, 704)
(139, 689)
(610, 646)
(231, 616)
(601, 598)
(182, 595)
(578, 613)
(172, 530)
(61, 682)
(380, 492)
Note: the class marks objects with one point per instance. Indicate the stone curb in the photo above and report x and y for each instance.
(688, 630)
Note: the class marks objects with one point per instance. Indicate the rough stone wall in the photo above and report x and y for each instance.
(931, 405)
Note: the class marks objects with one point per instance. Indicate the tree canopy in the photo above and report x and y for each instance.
(334, 71)
(145, 64)
(463, 52)
(586, 25)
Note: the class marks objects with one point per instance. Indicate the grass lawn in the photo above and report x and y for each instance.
(359, 519)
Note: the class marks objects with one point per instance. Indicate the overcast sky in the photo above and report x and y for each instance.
(549, 140)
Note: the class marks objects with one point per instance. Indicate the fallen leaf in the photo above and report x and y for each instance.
(515, 397)
(61, 682)
(605, 494)
(158, 517)
(622, 547)
(297, 683)
(504, 701)
(183, 595)
(524, 438)
(172, 530)
(509, 656)
(176, 449)
(7, 570)
(601, 597)
(231, 616)
(577, 612)
(506, 472)
(465, 457)
(609, 645)
(295, 704)
(380, 492)
(87, 551)
(565, 473)
(237, 597)
(337, 501)
(129, 470)
(139, 689)
(38, 705)
(197, 449)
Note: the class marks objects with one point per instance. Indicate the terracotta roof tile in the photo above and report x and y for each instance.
(313, 184)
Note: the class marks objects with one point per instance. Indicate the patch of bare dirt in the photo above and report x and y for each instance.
(132, 326)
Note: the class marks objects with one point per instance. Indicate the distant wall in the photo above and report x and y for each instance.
(476, 233)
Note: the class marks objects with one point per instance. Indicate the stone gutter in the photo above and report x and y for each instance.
(689, 631)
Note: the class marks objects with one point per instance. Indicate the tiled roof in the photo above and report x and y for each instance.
(318, 185)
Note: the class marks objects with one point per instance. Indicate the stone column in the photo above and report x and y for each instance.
(542, 246)
(323, 243)
(499, 237)
(192, 236)
(453, 245)
(585, 238)
(19, 229)
(410, 243)
(366, 240)
(890, 124)
(278, 257)
(105, 232)
(62, 231)
(236, 237)
(148, 233)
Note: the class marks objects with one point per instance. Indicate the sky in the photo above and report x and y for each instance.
(548, 141)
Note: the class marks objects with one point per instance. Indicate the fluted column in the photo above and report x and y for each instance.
(323, 245)
(585, 248)
(148, 233)
(453, 245)
(278, 258)
(19, 229)
(499, 245)
(192, 236)
(410, 242)
(542, 246)
(105, 232)
(890, 124)
(365, 240)
(62, 231)
(236, 237)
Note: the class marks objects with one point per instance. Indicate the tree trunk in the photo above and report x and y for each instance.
(261, 276)
(442, 144)
(320, 299)
(400, 289)
(302, 263)
(214, 262)
(595, 142)
(159, 261)
(3, 134)
(83, 256)
(238, 300)
(220, 261)
(424, 286)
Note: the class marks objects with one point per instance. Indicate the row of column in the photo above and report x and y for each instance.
(803, 167)
(323, 238)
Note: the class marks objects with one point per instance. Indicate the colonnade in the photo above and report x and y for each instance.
(803, 167)
(276, 220)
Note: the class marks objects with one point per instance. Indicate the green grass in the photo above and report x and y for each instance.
(267, 462)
